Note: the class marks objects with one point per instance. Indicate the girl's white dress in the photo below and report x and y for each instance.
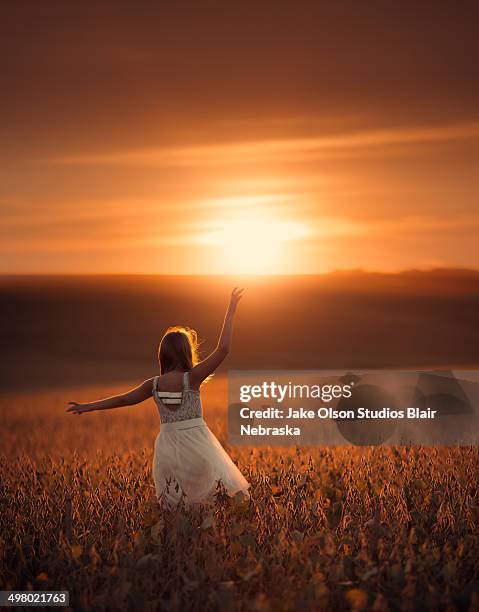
(188, 459)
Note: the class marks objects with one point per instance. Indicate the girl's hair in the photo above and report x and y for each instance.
(178, 349)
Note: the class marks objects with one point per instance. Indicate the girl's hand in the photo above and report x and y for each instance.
(76, 408)
(236, 296)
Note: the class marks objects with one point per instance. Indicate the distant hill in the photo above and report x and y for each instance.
(85, 329)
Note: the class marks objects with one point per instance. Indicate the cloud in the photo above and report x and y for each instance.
(131, 229)
(287, 150)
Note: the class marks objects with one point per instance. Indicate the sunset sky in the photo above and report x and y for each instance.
(217, 137)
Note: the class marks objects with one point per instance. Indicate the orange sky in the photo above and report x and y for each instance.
(298, 138)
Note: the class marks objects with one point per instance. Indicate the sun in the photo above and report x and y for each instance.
(253, 243)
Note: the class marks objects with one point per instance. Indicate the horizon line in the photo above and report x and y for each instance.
(246, 275)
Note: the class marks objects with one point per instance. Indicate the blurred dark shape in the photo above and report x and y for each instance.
(349, 379)
(365, 432)
(442, 392)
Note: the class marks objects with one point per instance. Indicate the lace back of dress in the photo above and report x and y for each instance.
(178, 406)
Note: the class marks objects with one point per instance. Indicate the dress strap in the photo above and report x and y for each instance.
(186, 381)
(155, 384)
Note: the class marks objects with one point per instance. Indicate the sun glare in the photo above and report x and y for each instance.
(256, 243)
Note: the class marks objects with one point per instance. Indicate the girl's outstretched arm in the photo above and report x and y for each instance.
(206, 367)
(135, 396)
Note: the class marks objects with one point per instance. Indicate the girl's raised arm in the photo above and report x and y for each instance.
(206, 367)
(135, 396)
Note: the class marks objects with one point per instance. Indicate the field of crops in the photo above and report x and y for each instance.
(344, 528)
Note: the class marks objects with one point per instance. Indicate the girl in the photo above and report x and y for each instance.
(188, 460)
